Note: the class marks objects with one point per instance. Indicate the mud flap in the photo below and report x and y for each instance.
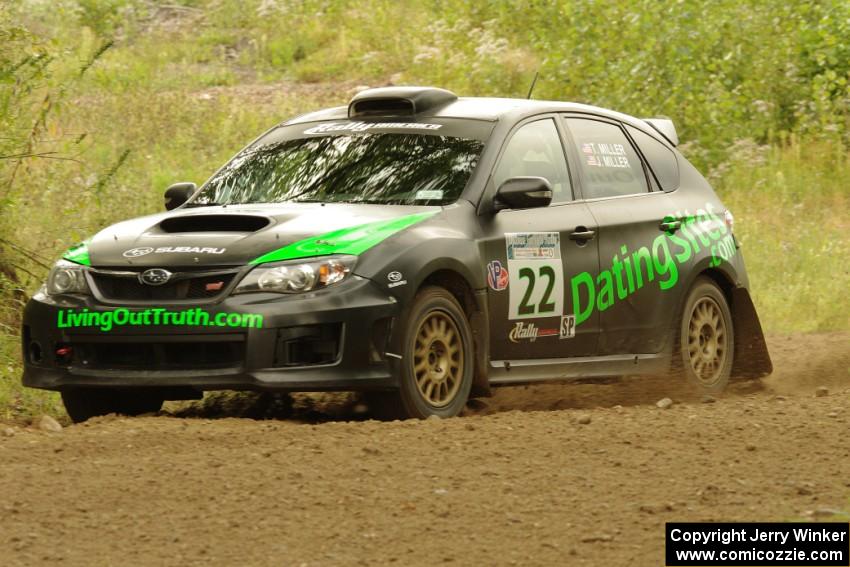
(481, 335)
(752, 359)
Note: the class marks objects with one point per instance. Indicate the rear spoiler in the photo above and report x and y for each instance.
(665, 127)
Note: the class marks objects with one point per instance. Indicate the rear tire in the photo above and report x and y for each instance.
(85, 403)
(438, 356)
(706, 345)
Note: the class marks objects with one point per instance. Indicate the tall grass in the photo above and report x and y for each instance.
(792, 209)
(133, 95)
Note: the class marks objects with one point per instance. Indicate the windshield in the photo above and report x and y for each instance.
(367, 167)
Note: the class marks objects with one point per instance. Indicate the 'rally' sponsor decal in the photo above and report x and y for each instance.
(328, 127)
(529, 332)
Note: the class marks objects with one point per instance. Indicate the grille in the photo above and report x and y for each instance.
(159, 355)
(182, 286)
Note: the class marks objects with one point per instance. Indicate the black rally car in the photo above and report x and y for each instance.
(413, 243)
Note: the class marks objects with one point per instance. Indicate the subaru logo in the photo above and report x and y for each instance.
(136, 252)
(155, 276)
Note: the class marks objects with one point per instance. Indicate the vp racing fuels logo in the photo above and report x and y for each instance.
(144, 251)
(155, 276)
(497, 276)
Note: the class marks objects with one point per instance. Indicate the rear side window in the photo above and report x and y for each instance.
(608, 163)
(662, 160)
(535, 150)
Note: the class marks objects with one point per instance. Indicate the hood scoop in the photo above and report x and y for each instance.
(214, 223)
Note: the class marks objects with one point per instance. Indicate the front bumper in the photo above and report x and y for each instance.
(333, 339)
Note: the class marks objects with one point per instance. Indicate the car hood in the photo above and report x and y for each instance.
(237, 235)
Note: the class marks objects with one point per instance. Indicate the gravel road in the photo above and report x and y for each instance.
(581, 474)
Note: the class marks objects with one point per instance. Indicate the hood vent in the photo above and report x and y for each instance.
(214, 223)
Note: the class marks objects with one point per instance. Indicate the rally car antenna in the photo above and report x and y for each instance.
(533, 82)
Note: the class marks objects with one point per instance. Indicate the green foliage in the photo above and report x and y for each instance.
(112, 100)
(790, 205)
(23, 61)
(723, 69)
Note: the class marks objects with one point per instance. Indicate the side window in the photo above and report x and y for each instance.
(535, 150)
(662, 160)
(608, 164)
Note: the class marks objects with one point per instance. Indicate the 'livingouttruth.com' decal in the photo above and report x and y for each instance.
(155, 316)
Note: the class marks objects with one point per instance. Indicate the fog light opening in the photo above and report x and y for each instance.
(308, 345)
(36, 354)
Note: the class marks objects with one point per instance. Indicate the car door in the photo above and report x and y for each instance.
(532, 254)
(637, 271)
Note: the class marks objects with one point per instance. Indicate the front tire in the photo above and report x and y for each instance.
(706, 338)
(438, 358)
(85, 403)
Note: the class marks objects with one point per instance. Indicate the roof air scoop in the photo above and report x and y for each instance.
(398, 101)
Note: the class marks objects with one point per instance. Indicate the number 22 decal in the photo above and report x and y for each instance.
(536, 275)
(546, 305)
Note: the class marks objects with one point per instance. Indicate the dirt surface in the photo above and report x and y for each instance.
(523, 479)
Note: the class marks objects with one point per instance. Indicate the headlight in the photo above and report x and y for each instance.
(67, 277)
(297, 276)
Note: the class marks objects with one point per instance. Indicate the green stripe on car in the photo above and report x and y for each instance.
(353, 240)
(78, 253)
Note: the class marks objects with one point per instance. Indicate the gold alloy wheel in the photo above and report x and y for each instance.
(707, 340)
(438, 359)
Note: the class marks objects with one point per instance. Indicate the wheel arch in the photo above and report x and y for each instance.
(752, 359)
(474, 304)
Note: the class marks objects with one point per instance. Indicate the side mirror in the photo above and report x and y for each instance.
(523, 193)
(178, 194)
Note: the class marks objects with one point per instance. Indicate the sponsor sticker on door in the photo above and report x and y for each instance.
(535, 275)
(396, 279)
(568, 326)
(529, 332)
(497, 276)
